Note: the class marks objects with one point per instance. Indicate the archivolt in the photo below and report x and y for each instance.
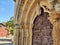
(29, 10)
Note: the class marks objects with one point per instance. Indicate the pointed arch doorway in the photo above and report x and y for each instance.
(42, 30)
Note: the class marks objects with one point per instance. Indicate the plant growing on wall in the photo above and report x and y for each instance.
(10, 25)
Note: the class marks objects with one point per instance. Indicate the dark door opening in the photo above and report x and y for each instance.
(42, 30)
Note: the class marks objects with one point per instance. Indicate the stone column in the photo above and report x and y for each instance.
(26, 34)
(26, 37)
(18, 32)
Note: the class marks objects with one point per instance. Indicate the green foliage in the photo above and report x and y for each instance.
(10, 25)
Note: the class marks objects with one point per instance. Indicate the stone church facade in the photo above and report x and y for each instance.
(37, 22)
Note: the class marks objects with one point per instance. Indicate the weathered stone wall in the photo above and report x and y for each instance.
(55, 20)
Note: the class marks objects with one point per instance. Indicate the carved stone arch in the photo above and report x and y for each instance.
(24, 17)
(30, 18)
(27, 22)
(28, 11)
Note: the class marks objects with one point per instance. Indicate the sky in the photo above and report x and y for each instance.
(6, 10)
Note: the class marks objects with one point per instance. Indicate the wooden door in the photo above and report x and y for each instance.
(42, 30)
